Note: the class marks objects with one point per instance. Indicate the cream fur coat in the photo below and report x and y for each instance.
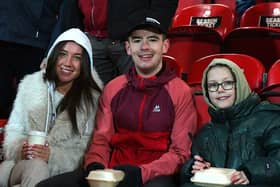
(29, 113)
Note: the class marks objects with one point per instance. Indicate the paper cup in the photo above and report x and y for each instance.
(36, 137)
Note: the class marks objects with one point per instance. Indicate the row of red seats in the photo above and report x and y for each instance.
(205, 29)
(231, 3)
(266, 84)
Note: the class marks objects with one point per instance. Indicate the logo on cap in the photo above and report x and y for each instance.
(152, 20)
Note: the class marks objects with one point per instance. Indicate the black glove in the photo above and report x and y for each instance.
(93, 166)
(132, 178)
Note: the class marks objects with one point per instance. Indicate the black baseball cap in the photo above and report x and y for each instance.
(158, 17)
(149, 23)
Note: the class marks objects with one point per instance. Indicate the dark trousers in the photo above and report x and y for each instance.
(16, 61)
(77, 179)
(109, 58)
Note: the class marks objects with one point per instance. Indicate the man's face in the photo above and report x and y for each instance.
(146, 48)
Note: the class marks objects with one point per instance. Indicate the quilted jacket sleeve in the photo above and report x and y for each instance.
(266, 169)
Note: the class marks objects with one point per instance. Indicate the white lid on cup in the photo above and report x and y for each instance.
(37, 133)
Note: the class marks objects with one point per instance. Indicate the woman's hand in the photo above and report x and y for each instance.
(199, 164)
(41, 151)
(25, 151)
(35, 151)
(239, 177)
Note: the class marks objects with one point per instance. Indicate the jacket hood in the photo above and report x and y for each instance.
(242, 87)
(77, 36)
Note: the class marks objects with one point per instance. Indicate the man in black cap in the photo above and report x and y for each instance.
(144, 116)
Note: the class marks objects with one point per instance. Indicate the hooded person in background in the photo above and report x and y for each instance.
(244, 133)
(243, 5)
(61, 101)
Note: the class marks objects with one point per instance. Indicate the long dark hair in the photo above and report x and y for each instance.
(81, 90)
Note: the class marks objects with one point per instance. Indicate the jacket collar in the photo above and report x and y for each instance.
(165, 75)
(239, 110)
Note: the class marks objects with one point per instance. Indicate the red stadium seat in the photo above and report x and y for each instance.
(201, 107)
(247, 63)
(258, 35)
(229, 3)
(171, 62)
(194, 81)
(2, 125)
(188, 44)
(261, 43)
(253, 68)
(272, 90)
(198, 31)
(185, 3)
(262, 15)
(219, 17)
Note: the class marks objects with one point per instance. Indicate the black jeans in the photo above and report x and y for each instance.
(109, 57)
(16, 61)
(77, 179)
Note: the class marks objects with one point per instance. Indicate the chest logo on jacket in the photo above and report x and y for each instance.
(156, 108)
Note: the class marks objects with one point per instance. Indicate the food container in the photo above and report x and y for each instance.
(213, 177)
(105, 178)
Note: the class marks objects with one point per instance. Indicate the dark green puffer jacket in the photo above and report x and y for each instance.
(246, 137)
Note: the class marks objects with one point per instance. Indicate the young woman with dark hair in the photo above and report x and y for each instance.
(60, 101)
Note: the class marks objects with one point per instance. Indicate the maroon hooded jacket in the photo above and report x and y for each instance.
(145, 123)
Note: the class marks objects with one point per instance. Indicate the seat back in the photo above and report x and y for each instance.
(229, 3)
(194, 81)
(258, 34)
(271, 91)
(260, 42)
(203, 116)
(262, 15)
(273, 76)
(216, 16)
(253, 70)
(185, 3)
(172, 63)
(189, 43)
(2, 125)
